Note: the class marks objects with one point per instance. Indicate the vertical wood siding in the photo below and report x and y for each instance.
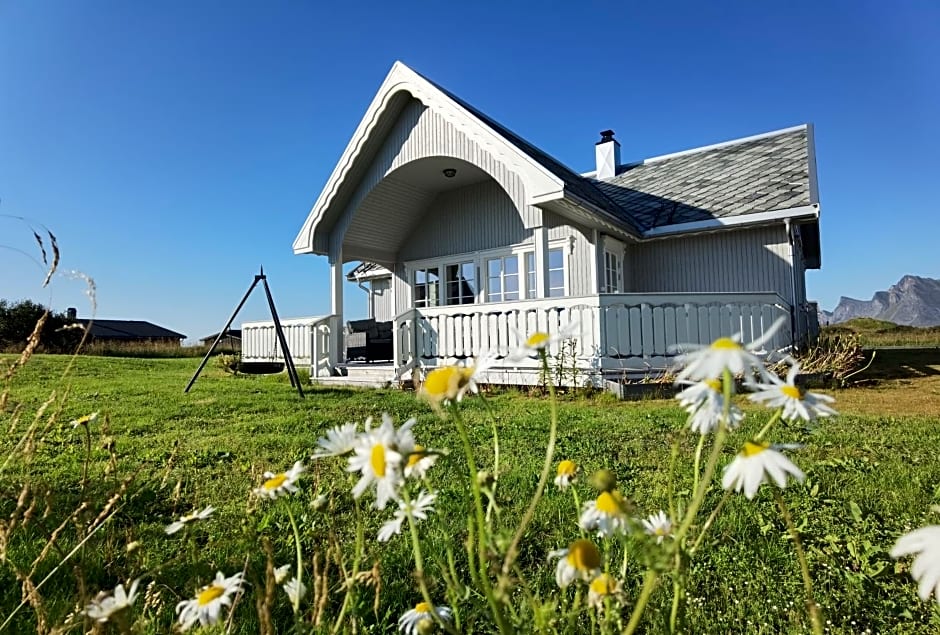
(473, 218)
(579, 260)
(749, 260)
(381, 292)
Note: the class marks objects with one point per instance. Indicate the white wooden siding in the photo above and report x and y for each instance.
(469, 219)
(381, 307)
(752, 261)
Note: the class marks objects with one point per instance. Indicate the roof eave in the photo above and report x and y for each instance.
(803, 212)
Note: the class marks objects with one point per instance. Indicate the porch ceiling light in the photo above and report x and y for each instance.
(450, 172)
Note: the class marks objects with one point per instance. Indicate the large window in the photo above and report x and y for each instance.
(556, 273)
(613, 272)
(461, 283)
(530, 283)
(427, 287)
(502, 278)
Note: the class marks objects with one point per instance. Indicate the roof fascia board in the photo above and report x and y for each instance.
(589, 216)
(811, 159)
(538, 180)
(804, 211)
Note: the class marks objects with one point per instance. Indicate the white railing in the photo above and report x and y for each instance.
(617, 332)
(309, 341)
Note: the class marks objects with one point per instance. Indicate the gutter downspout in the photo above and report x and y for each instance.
(793, 307)
(369, 293)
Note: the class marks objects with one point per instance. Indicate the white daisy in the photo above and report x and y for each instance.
(418, 510)
(925, 542)
(530, 346)
(296, 590)
(602, 587)
(281, 573)
(277, 485)
(796, 402)
(104, 605)
(753, 464)
(419, 462)
(338, 441)
(658, 525)
(85, 420)
(705, 403)
(726, 353)
(580, 560)
(185, 519)
(206, 607)
(416, 620)
(606, 514)
(377, 457)
(566, 474)
(450, 383)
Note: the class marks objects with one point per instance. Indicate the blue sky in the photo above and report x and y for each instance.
(173, 148)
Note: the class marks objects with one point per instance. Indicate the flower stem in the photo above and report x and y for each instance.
(649, 583)
(300, 558)
(766, 428)
(696, 469)
(708, 523)
(419, 561)
(812, 607)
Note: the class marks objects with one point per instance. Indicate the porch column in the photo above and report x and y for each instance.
(336, 305)
(540, 235)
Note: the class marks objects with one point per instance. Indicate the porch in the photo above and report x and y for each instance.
(620, 335)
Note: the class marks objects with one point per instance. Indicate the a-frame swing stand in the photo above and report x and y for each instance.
(288, 360)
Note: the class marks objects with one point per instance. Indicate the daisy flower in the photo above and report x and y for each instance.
(377, 457)
(450, 383)
(580, 560)
(206, 607)
(726, 353)
(337, 442)
(104, 605)
(419, 462)
(796, 402)
(606, 514)
(418, 510)
(753, 464)
(421, 617)
(277, 485)
(85, 420)
(705, 403)
(185, 519)
(532, 345)
(601, 587)
(567, 472)
(658, 525)
(296, 590)
(280, 574)
(925, 542)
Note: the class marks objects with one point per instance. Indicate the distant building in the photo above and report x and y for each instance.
(231, 342)
(126, 331)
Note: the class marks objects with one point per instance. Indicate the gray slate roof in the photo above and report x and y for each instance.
(127, 330)
(759, 175)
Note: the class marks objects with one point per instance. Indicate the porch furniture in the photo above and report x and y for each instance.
(368, 340)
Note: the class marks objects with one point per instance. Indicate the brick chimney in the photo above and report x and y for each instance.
(607, 153)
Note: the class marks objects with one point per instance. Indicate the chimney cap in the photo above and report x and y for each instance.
(607, 135)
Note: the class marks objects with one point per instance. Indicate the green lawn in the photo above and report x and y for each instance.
(869, 480)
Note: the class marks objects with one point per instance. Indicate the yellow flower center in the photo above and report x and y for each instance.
(567, 468)
(584, 556)
(714, 384)
(602, 585)
(791, 391)
(610, 503)
(537, 340)
(416, 456)
(422, 607)
(752, 448)
(274, 482)
(726, 344)
(377, 460)
(439, 381)
(208, 594)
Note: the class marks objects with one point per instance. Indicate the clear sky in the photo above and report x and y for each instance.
(174, 147)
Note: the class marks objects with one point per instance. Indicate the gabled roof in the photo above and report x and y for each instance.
(127, 330)
(757, 174)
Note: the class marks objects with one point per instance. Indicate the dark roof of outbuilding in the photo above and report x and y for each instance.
(759, 174)
(127, 330)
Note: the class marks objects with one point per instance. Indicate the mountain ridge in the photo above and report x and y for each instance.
(912, 301)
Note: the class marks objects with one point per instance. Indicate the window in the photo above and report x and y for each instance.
(613, 273)
(461, 283)
(502, 278)
(556, 273)
(427, 287)
(530, 283)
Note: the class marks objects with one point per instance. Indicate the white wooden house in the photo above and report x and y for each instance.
(471, 234)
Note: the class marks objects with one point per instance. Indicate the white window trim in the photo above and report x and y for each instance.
(479, 259)
(616, 249)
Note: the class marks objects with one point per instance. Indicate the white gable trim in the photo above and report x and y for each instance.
(539, 183)
(805, 211)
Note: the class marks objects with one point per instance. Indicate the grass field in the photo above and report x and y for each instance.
(876, 333)
(872, 475)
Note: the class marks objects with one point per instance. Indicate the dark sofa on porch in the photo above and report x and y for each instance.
(368, 340)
